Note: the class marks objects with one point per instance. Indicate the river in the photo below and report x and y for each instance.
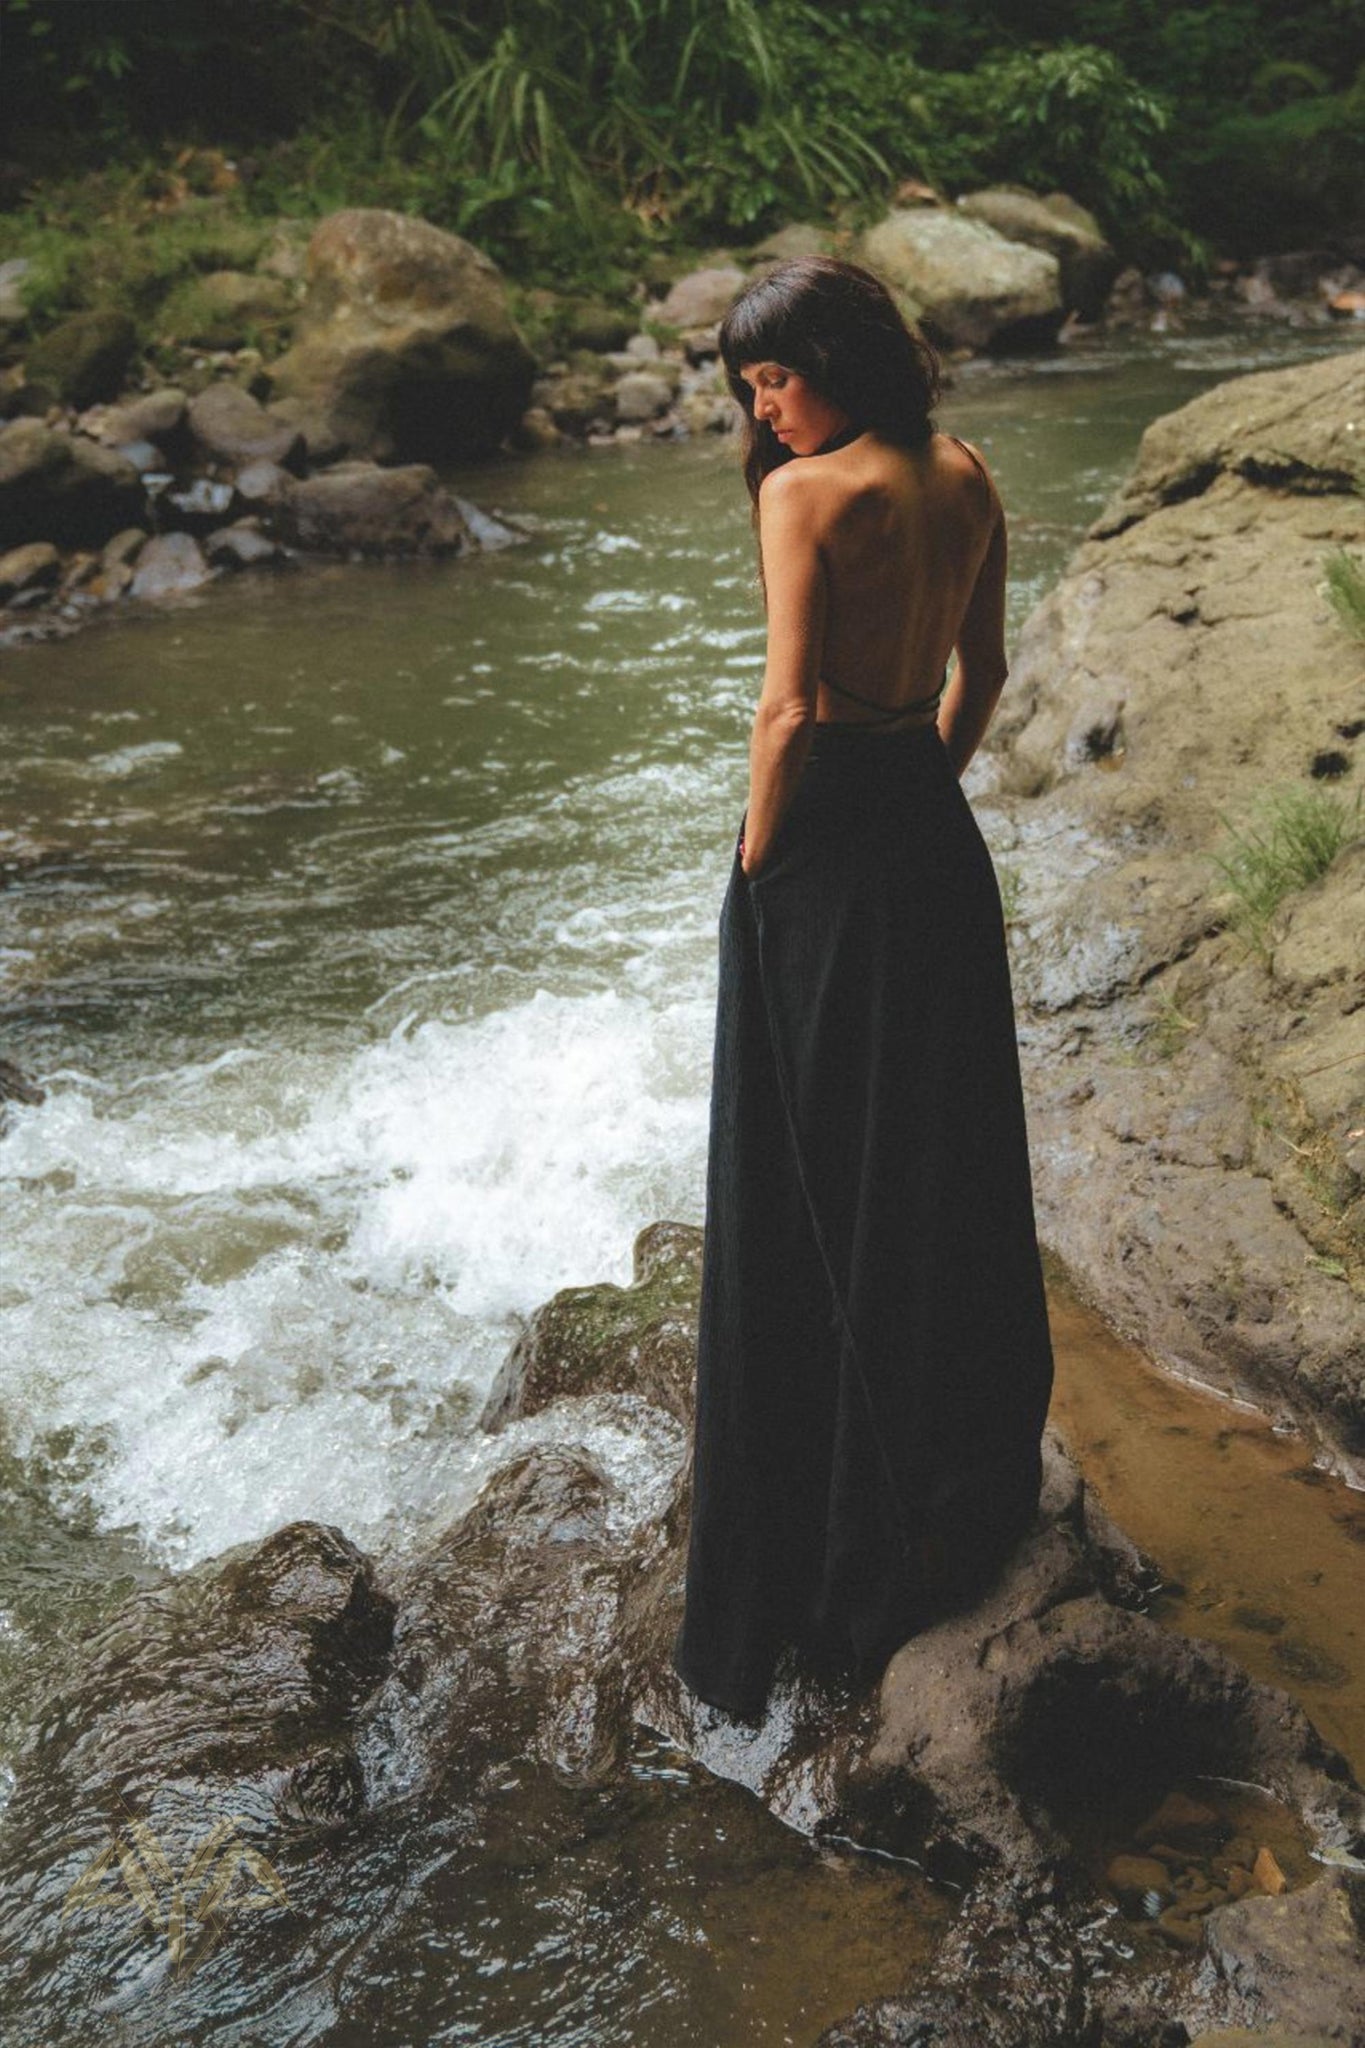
(362, 934)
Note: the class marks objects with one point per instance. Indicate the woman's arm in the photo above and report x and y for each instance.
(794, 575)
(971, 697)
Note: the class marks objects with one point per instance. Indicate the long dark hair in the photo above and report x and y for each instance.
(838, 325)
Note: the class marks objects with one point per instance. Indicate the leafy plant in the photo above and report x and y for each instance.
(1295, 838)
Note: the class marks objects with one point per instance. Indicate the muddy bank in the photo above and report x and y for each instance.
(1196, 1086)
(1055, 1755)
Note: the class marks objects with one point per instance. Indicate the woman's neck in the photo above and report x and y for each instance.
(840, 439)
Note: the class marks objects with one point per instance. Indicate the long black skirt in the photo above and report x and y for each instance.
(874, 1362)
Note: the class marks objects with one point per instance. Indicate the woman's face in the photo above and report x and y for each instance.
(790, 408)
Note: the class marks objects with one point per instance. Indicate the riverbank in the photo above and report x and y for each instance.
(316, 399)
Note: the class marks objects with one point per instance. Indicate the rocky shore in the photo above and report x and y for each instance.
(359, 1722)
(1196, 1100)
(392, 351)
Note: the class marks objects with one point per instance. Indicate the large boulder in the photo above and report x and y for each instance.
(966, 285)
(405, 348)
(363, 508)
(1196, 1099)
(1086, 263)
(62, 487)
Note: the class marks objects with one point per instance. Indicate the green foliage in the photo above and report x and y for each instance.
(97, 241)
(1295, 837)
(567, 139)
(1345, 574)
(1261, 181)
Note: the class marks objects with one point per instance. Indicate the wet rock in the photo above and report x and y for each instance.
(84, 358)
(243, 546)
(229, 426)
(37, 566)
(967, 285)
(702, 298)
(361, 508)
(1184, 665)
(63, 487)
(1086, 263)
(170, 562)
(639, 1339)
(405, 348)
(1297, 1961)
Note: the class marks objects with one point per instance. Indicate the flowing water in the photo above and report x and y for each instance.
(362, 933)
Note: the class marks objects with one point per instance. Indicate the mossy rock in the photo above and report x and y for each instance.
(639, 1339)
(84, 359)
(591, 324)
(224, 308)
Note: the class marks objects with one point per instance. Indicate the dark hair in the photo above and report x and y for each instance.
(838, 325)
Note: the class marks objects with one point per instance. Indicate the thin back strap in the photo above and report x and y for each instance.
(889, 712)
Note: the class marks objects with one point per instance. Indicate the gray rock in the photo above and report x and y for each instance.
(261, 483)
(964, 283)
(170, 562)
(1087, 265)
(229, 426)
(243, 546)
(701, 298)
(362, 508)
(63, 487)
(641, 395)
(1300, 429)
(405, 347)
(799, 238)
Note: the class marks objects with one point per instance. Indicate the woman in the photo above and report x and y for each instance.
(874, 1363)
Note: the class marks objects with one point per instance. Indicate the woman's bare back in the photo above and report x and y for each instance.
(913, 547)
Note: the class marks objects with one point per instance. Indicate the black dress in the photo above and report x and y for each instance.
(874, 1362)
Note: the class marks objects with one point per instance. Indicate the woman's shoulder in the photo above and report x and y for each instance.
(973, 456)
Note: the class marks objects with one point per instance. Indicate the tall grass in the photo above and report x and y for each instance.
(1345, 574)
(1295, 836)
